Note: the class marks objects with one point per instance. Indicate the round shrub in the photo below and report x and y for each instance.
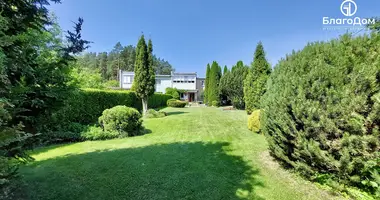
(176, 103)
(254, 121)
(123, 119)
(151, 113)
(215, 103)
(322, 111)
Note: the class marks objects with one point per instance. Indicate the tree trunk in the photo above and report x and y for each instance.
(145, 105)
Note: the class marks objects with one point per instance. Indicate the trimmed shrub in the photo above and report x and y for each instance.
(123, 119)
(155, 114)
(172, 92)
(96, 133)
(215, 103)
(322, 111)
(254, 121)
(177, 103)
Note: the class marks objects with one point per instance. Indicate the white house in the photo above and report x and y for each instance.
(187, 82)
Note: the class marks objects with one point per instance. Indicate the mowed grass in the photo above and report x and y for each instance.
(194, 153)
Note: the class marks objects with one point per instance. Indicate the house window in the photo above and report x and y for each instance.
(203, 83)
(158, 82)
(127, 79)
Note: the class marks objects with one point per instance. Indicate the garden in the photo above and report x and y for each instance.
(306, 128)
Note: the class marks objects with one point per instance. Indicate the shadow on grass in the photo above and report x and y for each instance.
(168, 171)
(176, 113)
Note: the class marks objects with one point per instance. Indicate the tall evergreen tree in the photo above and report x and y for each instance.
(144, 79)
(213, 86)
(207, 83)
(225, 70)
(255, 82)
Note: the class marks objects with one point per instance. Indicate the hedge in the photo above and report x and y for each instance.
(86, 105)
(322, 112)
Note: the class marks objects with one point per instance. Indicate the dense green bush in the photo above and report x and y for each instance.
(155, 114)
(158, 100)
(176, 103)
(322, 111)
(97, 133)
(254, 121)
(216, 103)
(125, 120)
(172, 92)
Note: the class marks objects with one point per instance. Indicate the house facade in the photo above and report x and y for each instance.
(191, 85)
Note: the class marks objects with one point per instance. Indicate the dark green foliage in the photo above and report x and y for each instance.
(206, 93)
(144, 79)
(172, 92)
(34, 76)
(176, 103)
(213, 85)
(231, 85)
(125, 120)
(255, 82)
(322, 111)
(156, 101)
(85, 106)
(75, 132)
(155, 114)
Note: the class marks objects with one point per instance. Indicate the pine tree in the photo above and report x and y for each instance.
(207, 84)
(144, 78)
(255, 82)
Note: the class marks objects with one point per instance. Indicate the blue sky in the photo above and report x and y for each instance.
(191, 33)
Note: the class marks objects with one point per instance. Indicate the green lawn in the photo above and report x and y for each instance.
(194, 153)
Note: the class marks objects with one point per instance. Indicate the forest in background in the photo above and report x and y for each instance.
(100, 70)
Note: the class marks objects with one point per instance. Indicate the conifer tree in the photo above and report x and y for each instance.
(255, 82)
(225, 70)
(144, 75)
(213, 86)
(207, 83)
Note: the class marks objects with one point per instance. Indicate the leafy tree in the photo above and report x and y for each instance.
(144, 80)
(321, 112)
(213, 85)
(207, 83)
(231, 84)
(255, 82)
